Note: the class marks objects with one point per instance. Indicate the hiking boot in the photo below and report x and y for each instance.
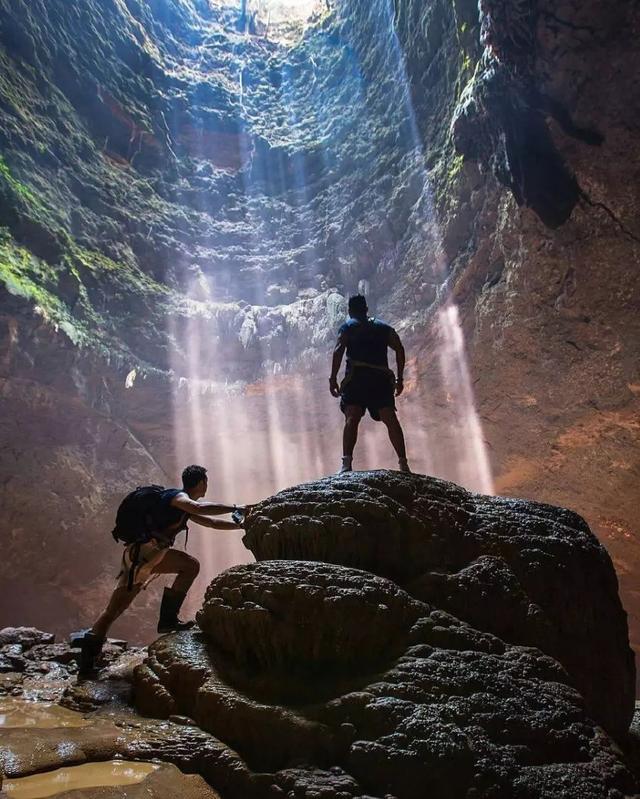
(403, 466)
(346, 465)
(169, 609)
(90, 651)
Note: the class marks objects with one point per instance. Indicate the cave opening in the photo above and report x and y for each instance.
(191, 190)
(330, 193)
(282, 21)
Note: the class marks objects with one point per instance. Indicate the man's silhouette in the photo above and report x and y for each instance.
(156, 555)
(368, 383)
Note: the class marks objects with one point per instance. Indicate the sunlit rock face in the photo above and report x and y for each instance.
(381, 691)
(191, 201)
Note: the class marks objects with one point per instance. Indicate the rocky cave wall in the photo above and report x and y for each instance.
(168, 181)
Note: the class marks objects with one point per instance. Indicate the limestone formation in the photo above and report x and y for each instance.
(529, 573)
(280, 615)
(450, 709)
(448, 675)
(170, 184)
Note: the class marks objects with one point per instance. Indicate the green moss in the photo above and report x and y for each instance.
(18, 188)
(130, 279)
(455, 167)
(29, 277)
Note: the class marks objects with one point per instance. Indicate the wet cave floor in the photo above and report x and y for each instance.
(60, 735)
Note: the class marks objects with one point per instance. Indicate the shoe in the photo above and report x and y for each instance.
(403, 466)
(169, 609)
(90, 651)
(346, 465)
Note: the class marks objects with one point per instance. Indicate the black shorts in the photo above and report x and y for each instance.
(371, 389)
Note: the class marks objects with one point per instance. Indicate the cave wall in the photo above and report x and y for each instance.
(173, 191)
(550, 315)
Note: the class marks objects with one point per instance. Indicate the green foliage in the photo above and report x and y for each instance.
(24, 275)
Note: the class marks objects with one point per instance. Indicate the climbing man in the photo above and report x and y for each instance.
(148, 521)
(368, 384)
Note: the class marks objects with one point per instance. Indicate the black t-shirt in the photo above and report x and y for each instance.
(366, 342)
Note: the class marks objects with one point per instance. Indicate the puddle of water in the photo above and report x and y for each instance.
(88, 775)
(16, 712)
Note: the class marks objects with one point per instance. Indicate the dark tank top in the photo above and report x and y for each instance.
(172, 520)
(366, 342)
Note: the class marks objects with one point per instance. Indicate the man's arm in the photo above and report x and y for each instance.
(338, 352)
(396, 346)
(199, 507)
(216, 524)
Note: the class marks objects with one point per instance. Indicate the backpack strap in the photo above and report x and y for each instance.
(135, 557)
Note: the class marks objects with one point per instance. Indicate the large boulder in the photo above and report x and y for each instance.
(291, 671)
(283, 614)
(529, 573)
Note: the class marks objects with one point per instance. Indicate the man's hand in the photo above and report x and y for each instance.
(399, 386)
(216, 524)
(334, 388)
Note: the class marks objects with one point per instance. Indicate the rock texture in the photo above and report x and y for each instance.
(185, 205)
(456, 710)
(510, 567)
(452, 661)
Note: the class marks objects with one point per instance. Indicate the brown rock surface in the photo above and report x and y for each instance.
(529, 573)
(21, 756)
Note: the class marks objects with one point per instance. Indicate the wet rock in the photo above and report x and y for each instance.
(164, 782)
(277, 615)
(120, 734)
(7, 665)
(529, 573)
(453, 710)
(88, 695)
(11, 658)
(61, 653)
(331, 784)
(25, 636)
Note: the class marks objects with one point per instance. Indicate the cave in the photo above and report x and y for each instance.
(190, 193)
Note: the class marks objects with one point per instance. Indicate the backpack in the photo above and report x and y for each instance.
(139, 515)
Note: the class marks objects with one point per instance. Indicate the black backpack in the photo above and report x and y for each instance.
(139, 515)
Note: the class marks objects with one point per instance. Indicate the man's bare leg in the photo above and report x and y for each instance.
(184, 567)
(120, 600)
(175, 562)
(186, 570)
(396, 436)
(91, 643)
(352, 414)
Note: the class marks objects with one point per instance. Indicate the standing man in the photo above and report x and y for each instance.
(154, 555)
(368, 384)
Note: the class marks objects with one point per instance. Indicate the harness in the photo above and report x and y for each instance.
(353, 364)
(135, 551)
